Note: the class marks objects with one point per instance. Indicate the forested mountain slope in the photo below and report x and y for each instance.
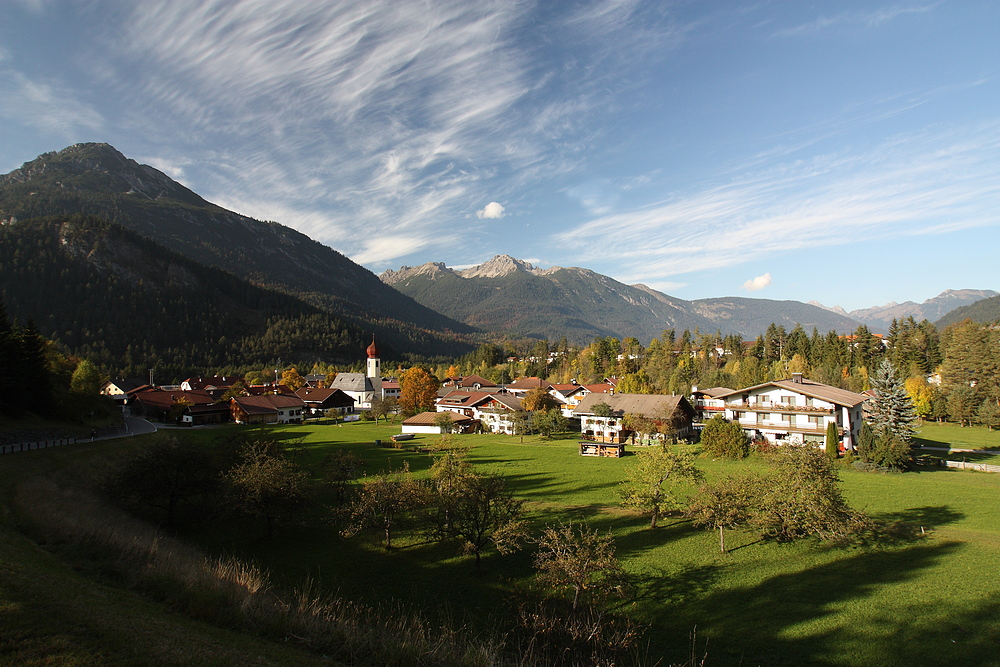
(109, 294)
(985, 311)
(95, 179)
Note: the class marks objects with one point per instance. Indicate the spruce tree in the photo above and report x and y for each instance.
(891, 410)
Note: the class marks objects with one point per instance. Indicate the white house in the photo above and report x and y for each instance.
(495, 411)
(654, 407)
(796, 410)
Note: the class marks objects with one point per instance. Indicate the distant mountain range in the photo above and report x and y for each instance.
(508, 294)
(95, 179)
(880, 317)
(985, 311)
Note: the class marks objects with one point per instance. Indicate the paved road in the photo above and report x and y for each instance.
(969, 451)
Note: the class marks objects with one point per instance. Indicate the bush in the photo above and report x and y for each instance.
(724, 438)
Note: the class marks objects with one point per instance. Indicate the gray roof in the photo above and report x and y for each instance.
(824, 392)
(647, 405)
(356, 382)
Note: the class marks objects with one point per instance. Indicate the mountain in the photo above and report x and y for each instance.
(878, 318)
(985, 311)
(95, 179)
(510, 295)
(126, 302)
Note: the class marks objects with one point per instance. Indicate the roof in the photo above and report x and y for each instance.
(525, 384)
(468, 399)
(714, 392)
(429, 418)
(330, 397)
(599, 388)
(267, 403)
(356, 382)
(824, 392)
(166, 399)
(647, 405)
(473, 380)
(126, 385)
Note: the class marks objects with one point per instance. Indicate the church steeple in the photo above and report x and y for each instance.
(374, 363)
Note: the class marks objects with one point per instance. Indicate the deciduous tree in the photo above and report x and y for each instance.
(382, 501)
(483, 511)
(656, 481)
(417, 390)
(728, 503)
(581, 562)
(266, 485)
(539, 400)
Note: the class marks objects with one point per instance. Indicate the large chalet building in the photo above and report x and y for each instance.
(796, 410)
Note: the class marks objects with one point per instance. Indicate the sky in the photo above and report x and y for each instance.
(844, 152)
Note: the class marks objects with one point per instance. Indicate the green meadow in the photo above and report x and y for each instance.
(932, 597)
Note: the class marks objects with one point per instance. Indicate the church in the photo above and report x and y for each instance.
(362, 387)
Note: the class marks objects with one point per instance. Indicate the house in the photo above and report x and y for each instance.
(469, 382)
(198, 415)
(162, 405)
(216, 386)
(495, 411)
(267, 409)
(796, 410)
(390, 389)
(318, 401)
(707, 403)
(121, 387)
(569, 395)
(522, 386)
(654, 407)
(425, 422)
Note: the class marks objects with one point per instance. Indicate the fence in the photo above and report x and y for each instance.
(969, 465)
(103, 432)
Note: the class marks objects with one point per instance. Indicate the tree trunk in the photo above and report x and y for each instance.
(652, 522)
(722, 540)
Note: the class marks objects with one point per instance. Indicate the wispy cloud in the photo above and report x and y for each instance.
(865, 18)
(49, 106)
(398, 115)
(911, 184)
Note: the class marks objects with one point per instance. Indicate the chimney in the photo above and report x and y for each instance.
(797, 378)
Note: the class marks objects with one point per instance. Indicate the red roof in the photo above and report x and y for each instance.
(166, 399)
(267, 403)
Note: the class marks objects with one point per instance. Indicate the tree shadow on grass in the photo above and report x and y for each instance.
(781, 620)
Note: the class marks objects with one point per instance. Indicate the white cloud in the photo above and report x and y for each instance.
(912, 184)
(172, 168)
(868, 19)
(758, 283)
(493, 211)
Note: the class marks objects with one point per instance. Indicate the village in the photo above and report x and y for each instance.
(790, 411)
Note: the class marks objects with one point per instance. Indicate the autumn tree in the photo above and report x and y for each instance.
(86, 378)
(581, 562)
(382, 502)
(444, 421)
(539, 400)
(655, 483)
(417, 390)
(292, 379)
(549, 422)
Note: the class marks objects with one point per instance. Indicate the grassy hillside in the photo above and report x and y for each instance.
(985, 311)
(931, 599)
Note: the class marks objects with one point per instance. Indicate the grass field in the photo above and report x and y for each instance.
(933, 434)
(933, 600)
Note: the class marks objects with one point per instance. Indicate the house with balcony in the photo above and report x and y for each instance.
(707, 403)
(612, 427)
(495, 411)
(796, 410)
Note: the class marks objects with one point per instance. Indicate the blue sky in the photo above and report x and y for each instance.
(847, 152)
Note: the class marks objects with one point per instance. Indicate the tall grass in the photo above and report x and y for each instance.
(231, 593)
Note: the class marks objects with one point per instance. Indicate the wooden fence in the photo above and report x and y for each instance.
(44, 444)
(970, 465)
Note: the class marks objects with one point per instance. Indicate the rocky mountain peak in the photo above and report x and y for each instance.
(430, 269)
(500, 265)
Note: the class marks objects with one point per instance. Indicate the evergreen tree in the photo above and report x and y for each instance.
(891, 410)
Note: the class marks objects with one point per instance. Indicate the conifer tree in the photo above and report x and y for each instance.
(891, 410)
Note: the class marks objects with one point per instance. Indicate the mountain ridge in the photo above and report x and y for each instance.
(585, 304)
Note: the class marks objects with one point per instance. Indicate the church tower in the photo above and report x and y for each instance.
(374, 363)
